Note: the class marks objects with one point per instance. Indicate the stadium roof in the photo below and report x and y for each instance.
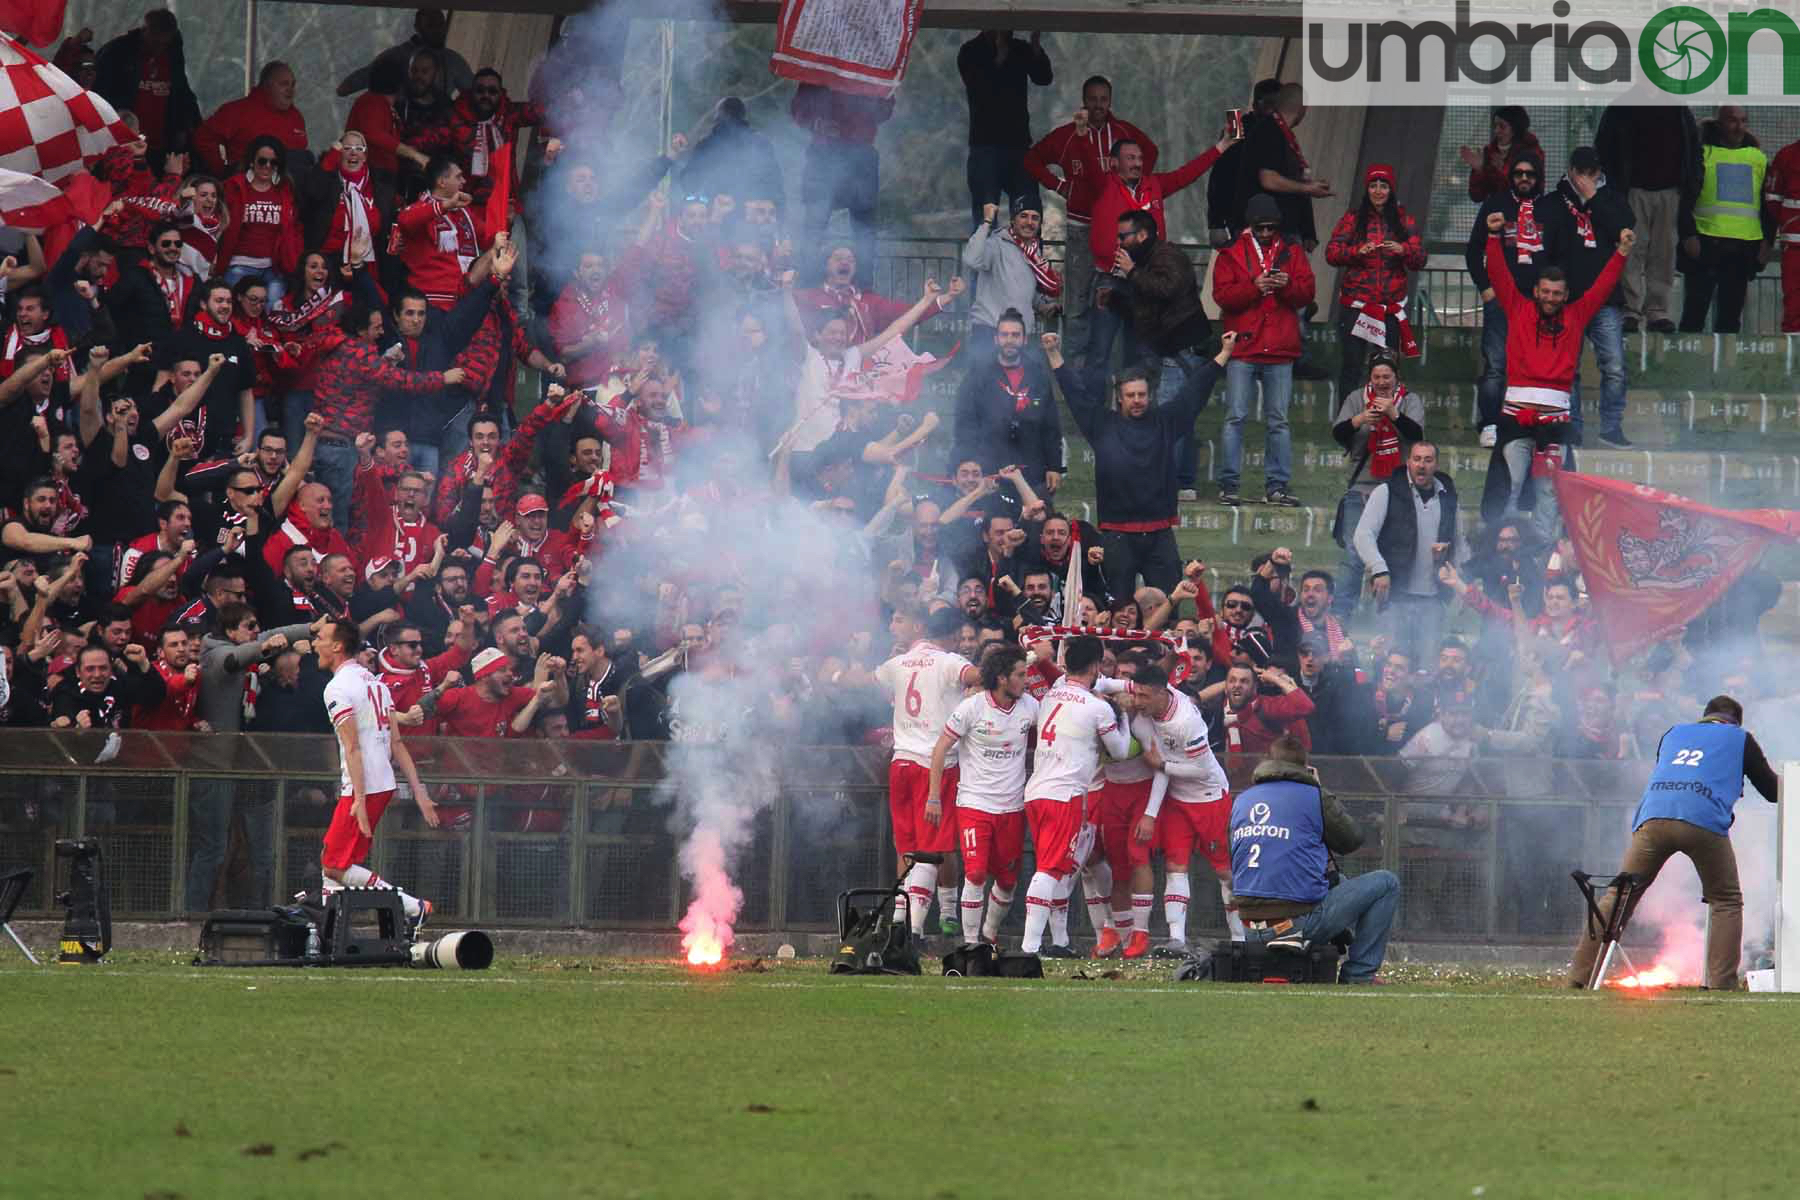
(1254, 17)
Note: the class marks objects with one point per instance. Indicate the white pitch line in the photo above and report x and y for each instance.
(330, 976)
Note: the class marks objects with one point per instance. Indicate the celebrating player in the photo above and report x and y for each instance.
(1173, 734)
(1072, 726)
(990, 733)
(927, 682)
(360, 709)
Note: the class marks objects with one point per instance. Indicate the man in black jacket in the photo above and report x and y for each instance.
(1586, 216)
(1006, 414)
(1162, 297)
(1134, 464)
(997, 69)
(1526, 252)
(1407, 528)
(145, 71)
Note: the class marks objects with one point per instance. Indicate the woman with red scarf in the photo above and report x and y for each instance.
(315, 298)
(263, 237)
(1376, 243)
(1376, 424)
(203, 222)
(273, 352)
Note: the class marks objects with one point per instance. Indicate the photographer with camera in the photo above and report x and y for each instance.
(1284, 829)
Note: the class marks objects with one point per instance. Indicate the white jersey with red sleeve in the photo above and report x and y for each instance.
(927, 684)
(1179, 734)
(992, 743)
(1072, 725)
(358, 699)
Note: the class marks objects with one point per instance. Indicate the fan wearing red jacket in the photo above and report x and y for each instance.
(1252, 721)
(1083, 151)
(416, 682)
(1130, 187)
(643, 436)
(181, 684)
(268, 111)
(1543, 350)
(482, 120)
(397, 528)
(589, 323)
(438, 238)
(1261, 282)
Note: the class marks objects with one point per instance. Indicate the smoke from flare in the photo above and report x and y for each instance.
(706, 930)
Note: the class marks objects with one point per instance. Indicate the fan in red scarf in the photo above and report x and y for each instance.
(643, 435)
(416, 682)
(396, 528)
(31, 333)
(139, 197)
(355, 220)
(1377, 243)
(437, 238)
(483, 119)
(307, 523)
(589, 323)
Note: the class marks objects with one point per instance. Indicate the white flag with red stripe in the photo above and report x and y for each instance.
(31, 204)
(49, 126)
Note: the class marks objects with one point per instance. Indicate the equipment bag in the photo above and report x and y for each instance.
(970, 960)
(1253, 962)
(1018, 965)
(870, 941)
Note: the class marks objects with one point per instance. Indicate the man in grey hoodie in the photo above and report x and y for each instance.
(225, 656)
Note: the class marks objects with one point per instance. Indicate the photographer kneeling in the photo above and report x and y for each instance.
(1281, 827)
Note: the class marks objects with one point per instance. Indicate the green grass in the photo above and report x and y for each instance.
(606, 1078)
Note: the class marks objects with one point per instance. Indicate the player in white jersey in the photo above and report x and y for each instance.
(1073, 725)
(927, 682)
(369, 743)
(1196, 813)
(1121, 875)
(991, 733)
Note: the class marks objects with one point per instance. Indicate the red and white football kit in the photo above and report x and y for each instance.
(990, 802)
(1197, 812)
(360, 703)
(927, 684)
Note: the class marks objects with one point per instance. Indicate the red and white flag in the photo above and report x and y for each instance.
(31, 204)
(1654, 561)
(49, 126)
(39, 22)
(858, 46)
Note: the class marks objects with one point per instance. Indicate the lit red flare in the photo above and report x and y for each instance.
(704, 938)
(1661, 975)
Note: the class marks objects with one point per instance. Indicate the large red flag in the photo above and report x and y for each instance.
(496, 216)
(858, 46)
(1654, 561)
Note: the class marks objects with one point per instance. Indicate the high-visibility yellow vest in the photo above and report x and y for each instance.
(1731, 192)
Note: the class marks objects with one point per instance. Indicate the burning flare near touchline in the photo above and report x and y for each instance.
(1661, 975)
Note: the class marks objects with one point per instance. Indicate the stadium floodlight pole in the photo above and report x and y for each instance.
(1787, 883)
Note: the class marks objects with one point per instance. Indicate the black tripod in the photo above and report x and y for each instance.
(1609, 927)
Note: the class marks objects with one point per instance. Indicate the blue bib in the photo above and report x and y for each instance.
(1278, 842)
(1698, 778)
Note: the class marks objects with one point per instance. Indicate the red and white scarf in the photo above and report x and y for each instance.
(489, 137)
(288, 320)
(175, 291)
(50, 338)
(1287, 133)
(456, 235)
(1384, 438)
(849, 298)
(1234, 734)
(599, 485)
(1528, 235)
(1584, 223)
(1371, 324)
(1048, 281)
(356, 206)
(208, 330)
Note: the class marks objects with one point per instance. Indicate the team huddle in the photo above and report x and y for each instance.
(1122, 768)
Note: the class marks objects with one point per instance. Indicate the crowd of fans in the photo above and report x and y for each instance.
(279, 381)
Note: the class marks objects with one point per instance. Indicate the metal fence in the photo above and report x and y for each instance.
(575, 833)
(1443, 293)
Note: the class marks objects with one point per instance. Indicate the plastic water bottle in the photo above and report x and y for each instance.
(314, 950)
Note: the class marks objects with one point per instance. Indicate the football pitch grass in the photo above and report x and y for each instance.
(601, 1077)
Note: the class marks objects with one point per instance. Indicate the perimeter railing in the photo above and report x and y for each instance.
(585, 834)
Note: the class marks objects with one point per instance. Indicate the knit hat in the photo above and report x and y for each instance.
(1029, 202)
(1379, 171)
(488, 662)
(1261, 208)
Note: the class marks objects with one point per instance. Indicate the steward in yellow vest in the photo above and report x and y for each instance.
(1724, 238)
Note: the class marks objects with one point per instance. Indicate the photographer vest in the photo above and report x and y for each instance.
(1278, 842)
(1699, 777)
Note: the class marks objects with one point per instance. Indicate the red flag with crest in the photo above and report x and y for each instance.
(1653, 561)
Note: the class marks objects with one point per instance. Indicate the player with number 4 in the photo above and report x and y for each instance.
(360, 708)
